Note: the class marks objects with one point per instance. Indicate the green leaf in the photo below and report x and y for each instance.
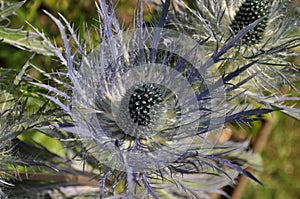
(25, 40)
(8, 8)
(41, 140)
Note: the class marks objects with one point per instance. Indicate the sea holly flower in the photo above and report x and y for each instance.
(12, 122)
(270, 42)
(149, 104)
(22, 112)
(219, 20)
(14, 119)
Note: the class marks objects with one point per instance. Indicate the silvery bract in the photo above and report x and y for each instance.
(149, 104)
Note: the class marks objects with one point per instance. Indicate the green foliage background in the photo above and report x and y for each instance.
(281, 156)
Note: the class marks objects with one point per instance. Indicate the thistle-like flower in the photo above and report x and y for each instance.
(270, 42)
(148, 105)
(13, 121)
(21, 111)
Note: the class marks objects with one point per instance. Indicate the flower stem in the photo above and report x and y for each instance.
(58, 178)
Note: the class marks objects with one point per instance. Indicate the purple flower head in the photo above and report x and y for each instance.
(148, 104)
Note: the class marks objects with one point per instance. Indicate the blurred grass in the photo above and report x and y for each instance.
(281, 155)
(281, 162)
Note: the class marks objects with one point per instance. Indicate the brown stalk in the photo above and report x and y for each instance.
(63, 178)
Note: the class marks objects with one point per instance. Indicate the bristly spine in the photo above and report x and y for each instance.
(248, 12)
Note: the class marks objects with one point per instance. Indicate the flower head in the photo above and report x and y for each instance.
(270, 42)
(220, 19)
(249, 12)
(149, 105)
